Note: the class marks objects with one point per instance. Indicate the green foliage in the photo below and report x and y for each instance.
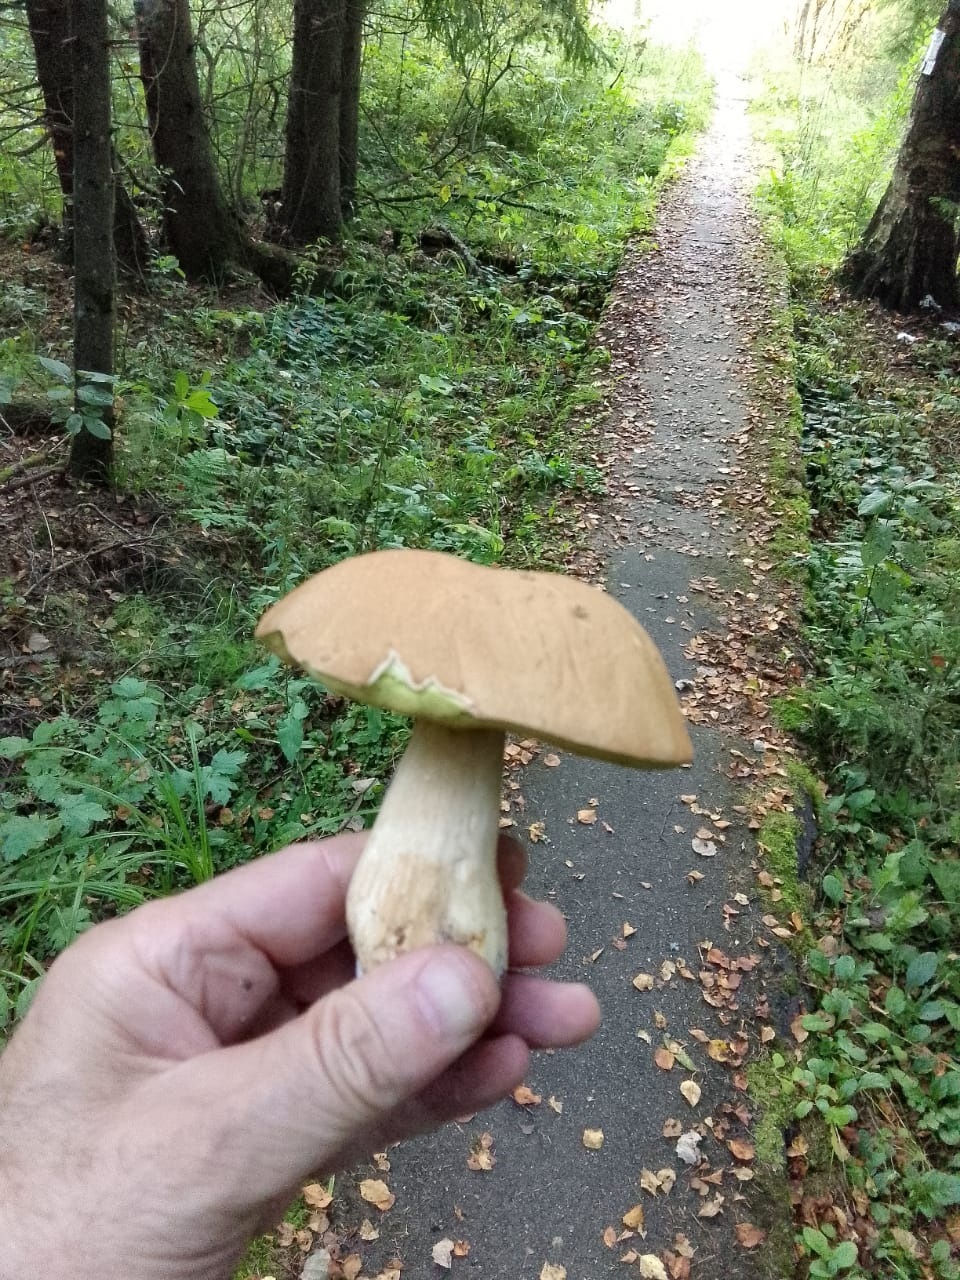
(882, 713)
(832, 134)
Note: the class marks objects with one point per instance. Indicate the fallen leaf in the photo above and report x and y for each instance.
(672, 1128)
(551, 761)
(651, 1268)
(316, 1196)
(525, 1097)
(741, 1149)
(351, 1266)
(710, 1208)
(443, 1253)
(628, 929)
(537, 831)
(644, 981)
(691, 1091)
(907, 1241)
(593, 1139)
(633, 1218)
(705, 848)
(377, 1193)
(481, 1158)
(688, 1147)
(368, 1231)
(683, 1246)
(555, 1105)
(694, 876)
(664, 1059)
(749, 1236)
(587, 816)
(552, 1271)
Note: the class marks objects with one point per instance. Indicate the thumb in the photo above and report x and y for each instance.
(322, 1088)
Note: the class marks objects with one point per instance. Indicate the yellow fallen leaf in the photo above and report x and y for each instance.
(368, 1231)
(525, 1097)
(593, 1139)
(316, 1196)
(553, 1271)
(555, 1105)
(644, 981)
(376, 1192)
(633, 1218)
(481, 1158)
(651, 1268)
(691, 1091)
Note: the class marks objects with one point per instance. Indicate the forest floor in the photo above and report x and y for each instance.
(655, 1144)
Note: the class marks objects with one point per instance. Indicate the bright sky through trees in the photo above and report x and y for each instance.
(728, 32)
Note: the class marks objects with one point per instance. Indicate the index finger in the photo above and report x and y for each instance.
(289, 905)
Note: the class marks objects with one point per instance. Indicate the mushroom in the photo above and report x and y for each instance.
(470, 652)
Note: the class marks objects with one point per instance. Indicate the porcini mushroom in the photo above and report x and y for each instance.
(470, 652)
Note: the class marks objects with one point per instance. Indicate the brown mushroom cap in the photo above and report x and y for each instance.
(427, 634)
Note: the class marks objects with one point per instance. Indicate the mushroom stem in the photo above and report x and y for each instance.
(429, 871)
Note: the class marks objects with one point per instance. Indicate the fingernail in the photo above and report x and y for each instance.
(452, 999)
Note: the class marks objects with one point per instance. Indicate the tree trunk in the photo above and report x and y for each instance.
(49, 22)
(350, 60)
(91, 456)
(311, 176)
(199, 226)
(909, 251)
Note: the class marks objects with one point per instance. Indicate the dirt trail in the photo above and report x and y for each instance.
(679, 331)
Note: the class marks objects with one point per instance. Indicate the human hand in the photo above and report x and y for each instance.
(183, 1069)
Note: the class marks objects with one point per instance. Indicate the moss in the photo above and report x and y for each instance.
(773, 1099)
(804, 781)
(772, 1096)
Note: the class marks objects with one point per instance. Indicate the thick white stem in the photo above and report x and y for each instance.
(429, 871)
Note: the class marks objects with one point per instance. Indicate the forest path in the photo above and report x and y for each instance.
(537, 1201)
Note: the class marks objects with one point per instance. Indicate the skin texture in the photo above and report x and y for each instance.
(184, 1069)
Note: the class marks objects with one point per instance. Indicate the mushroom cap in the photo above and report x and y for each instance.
(427, 634)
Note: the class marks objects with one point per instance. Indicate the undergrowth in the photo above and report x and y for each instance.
(880, 714)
